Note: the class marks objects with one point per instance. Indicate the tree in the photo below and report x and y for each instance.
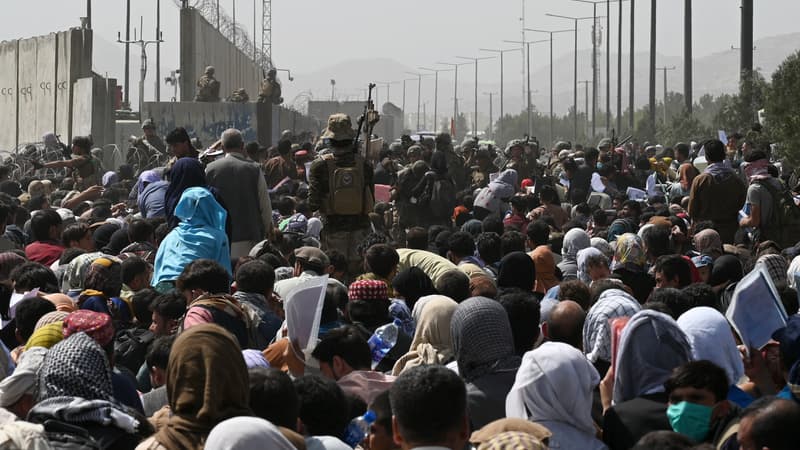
(782, 108)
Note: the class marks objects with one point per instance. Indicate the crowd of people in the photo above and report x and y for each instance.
(568, 298)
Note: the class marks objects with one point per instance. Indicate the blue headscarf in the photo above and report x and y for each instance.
(186, 173)
(199, 234)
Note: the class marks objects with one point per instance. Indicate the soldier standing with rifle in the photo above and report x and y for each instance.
(342, 190)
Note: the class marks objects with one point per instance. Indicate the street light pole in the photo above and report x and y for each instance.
(491, 96)
(575, 70)
(455, 88)
(528, 69)
(435, 93)
(551, 33)
(665, 69)
(404, 101)
(502, 110)
(586, 89)
(475, 117)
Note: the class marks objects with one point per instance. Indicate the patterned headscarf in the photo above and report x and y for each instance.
(583, 269)
(777, 267)
(51, 317)
(482, 340)
(76, 367)
(629, 254)
(512, 440)
(612, 303)
(367, 290)
(96, 325)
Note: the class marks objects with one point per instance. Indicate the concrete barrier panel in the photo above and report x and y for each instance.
(8, 95)
(27, 73)
(206, 121)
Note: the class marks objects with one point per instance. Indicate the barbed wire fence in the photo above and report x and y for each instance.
(230, 30)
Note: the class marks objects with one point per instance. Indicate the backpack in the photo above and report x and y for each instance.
(442, 197)
(348, 196)
(784, 224)
(130, 347)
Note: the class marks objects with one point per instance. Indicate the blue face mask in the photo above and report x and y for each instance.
(690, 419)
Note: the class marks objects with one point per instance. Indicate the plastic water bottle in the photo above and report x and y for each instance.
(358, 429)
(383, 340)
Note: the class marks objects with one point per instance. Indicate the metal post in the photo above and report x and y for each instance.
(419, 97)
(158, 50)
(528, 56)
(500, 123)
(475, 117)
(608, 66)
(126, 98)
(653, 65)
(747, 54)
(89, 14)
(594, 67)
(586, 89)
(551, 90)
(665, 69)
(619, 70)
(687, 55)
(631, 74)
(404, 104)
(217, 15)
(435, 101)
(575, 88)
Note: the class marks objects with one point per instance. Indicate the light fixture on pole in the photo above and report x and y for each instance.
(435, 93)
(288, 73)
(551, 33)
(500, 122)
(475, 118)
(575, 70)
(527, 45)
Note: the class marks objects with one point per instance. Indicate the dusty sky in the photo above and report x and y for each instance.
(311, 34)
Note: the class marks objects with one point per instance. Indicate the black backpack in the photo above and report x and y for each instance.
(784, 223)
(130, 347)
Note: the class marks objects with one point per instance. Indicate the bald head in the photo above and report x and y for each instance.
(565, 324)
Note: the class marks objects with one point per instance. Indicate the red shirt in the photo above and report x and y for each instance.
(44, 252)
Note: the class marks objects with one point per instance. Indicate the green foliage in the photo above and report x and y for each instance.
(782, 108)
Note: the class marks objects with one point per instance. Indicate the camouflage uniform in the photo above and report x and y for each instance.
(455, 163)
(239, 96)
(270, 89)
(207, 87)
(340, 232)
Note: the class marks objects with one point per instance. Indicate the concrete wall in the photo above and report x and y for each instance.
(207, 121)
(38, 77)
(287, 119)
(202, 45)
(8, 95)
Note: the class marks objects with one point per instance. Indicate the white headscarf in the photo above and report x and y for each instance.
(794, 268)
(554, 383)
(314, 227)
(711, 338)
(247, 433)
(651, 346)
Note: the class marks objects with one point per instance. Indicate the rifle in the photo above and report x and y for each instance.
(368, 107)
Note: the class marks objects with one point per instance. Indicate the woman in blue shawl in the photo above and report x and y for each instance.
(200, 234)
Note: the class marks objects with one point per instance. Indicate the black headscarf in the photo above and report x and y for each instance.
(186, 173)
(727, 269)
(517, 270)
(412, 284)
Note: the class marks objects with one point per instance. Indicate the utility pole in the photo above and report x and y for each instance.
(404, 100)
(158, 50)
(419, 94)
(455, 88)
(491, 117)
(632, 74)
(551, 33)
(89, 14)
(586, 106)
(653, 65)
(143, 71)
(528, 76)
(502, 110)
(126, 100)
(475, 117)
(746, 54)
(608, 66)
(435, 93)
(575, 71)
(665, 69)
(595, 36)
(619, 69)
(687, 55)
